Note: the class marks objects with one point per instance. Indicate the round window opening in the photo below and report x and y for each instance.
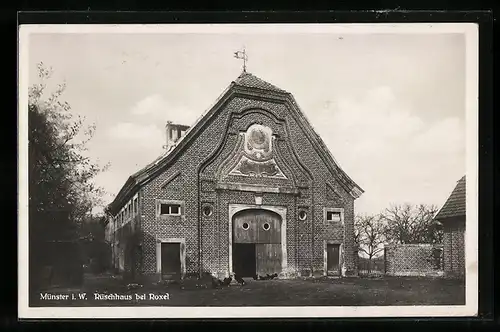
(207, 211)
(245, 225)
(302, 215)
(266, 226)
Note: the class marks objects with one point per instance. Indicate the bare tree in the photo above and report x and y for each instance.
(412, 224)
(369, 235)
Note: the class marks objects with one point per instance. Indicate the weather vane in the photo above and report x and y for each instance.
(242, 55)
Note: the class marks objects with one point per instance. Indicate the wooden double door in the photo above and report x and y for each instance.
(256, 243)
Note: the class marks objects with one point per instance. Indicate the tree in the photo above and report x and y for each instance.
(61, 187)
(96, 251)
(410, 224)
(369, 235)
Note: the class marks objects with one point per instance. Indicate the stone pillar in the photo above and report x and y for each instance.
(350, 250)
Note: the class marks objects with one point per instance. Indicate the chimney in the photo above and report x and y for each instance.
(174, 133)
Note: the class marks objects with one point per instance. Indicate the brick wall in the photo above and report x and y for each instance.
(413, 260)
(192, 180)
(454, 247)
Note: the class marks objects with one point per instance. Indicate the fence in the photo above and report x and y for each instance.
(414, 260)
(373, 267)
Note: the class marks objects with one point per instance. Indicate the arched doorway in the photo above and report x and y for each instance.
(256, 247)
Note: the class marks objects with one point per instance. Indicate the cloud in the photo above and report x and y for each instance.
(156, 108)
(144, 126)
(444, 137)
(151, 105)
(134, 134)
(394, 155)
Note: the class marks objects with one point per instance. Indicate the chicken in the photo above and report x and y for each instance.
(226, 281)
(239, 279)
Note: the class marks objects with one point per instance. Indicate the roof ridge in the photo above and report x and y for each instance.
(249, 80)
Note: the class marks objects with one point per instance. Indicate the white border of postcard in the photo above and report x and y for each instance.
(470, 30)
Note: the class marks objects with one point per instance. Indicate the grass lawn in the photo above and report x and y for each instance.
(297, 292)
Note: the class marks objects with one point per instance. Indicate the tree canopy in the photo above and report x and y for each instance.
(61, 187)
(412, 224)
(62, 192)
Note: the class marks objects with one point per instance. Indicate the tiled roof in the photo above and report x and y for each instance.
(455, 205)
(251, 81)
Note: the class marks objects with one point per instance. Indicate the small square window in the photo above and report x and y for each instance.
(174, 209)
(333, 216)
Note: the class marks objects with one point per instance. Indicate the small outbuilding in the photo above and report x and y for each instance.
(452, 217)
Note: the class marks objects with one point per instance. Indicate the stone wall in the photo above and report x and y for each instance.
(414, 260)
(454, 247)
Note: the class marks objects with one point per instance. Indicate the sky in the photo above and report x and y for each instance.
(390, 107)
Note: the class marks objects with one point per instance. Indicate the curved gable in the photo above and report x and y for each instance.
(246, 86)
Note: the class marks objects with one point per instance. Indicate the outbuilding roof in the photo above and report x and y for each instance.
(455, 204)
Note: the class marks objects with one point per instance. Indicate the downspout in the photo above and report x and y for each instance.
(140, 230)
(297, 225)
(312, 227)
(157, 220)
(451, 249)
(199, 224)
(217, 220)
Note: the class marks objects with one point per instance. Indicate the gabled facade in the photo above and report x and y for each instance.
(249, 188)
(452, 217)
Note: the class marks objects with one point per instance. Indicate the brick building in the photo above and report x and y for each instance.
(452, 216)
(249, 188)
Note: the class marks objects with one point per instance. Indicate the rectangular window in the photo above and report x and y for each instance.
(170, 209)
(136, 206)
(333, 216)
